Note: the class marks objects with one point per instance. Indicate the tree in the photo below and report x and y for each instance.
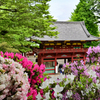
(21, 19)
(84, 13)
(5, 47)
(95, 7)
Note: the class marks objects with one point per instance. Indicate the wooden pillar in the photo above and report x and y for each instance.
(42, 59)
(84, 58)
(39, 59)
(55, 64)
(65, 60)
(72, 57)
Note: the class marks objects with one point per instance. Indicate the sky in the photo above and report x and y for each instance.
(62, 9)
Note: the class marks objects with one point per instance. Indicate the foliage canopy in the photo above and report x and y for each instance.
(84, 12)
(21, 19)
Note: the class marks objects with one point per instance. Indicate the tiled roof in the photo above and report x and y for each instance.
(73, 31)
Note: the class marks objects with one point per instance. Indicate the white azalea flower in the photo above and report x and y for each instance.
(2, 86)
(67, 81)
(47, 96)
(70, 78)
(2, 59)
(53, 78)
(25, 76)
(0, 66)
(97, 81)
(6, 91)
(3, 78)
(69, 93)
(61, 76)
(92, 73)
(11, 61)
(45, 84)
(57, 89)
(38, 96)
(59, 95)
(19, 66)
(83, 93)
(98, 85)
(2, 96)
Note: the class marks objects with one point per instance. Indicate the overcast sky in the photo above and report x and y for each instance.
(61, 9)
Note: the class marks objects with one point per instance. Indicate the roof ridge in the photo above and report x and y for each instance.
(73, 22)
(85, 29)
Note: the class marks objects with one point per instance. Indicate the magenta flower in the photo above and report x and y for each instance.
(87, 59)
(98, 59)
(89, 51)
(67, 63)
(85, 73)
(1, 53)
(79, 67)
(94, 80)
(36, 67)
(64, 65)
(52, 95)
(96, 49)
(41, 92)
(92, 59)
(82, 62)
(45, 78)
(74, 70)
(75, 63)
(76, 96)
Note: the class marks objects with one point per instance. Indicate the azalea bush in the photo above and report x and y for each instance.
(34, 71)
(93, 55)
(14, 83)
(85, 85)
(78, 83)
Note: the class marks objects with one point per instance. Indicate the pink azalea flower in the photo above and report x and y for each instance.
(42, 68)
(1, 53)
(36, 67)
(94, 80)
(89, 51)
(4, 66)
(41, 92)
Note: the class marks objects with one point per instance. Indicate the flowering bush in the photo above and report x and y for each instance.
(14, 83)
(35, 72)
(78, 83)
(84, 85)
(93, 55)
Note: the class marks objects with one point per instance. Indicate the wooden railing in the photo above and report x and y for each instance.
(60, 50)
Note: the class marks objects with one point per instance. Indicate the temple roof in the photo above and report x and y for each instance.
(70, 31)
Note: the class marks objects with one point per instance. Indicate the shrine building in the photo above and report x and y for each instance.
(68, 45)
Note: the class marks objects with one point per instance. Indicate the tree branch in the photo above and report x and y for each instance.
(12, 10)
